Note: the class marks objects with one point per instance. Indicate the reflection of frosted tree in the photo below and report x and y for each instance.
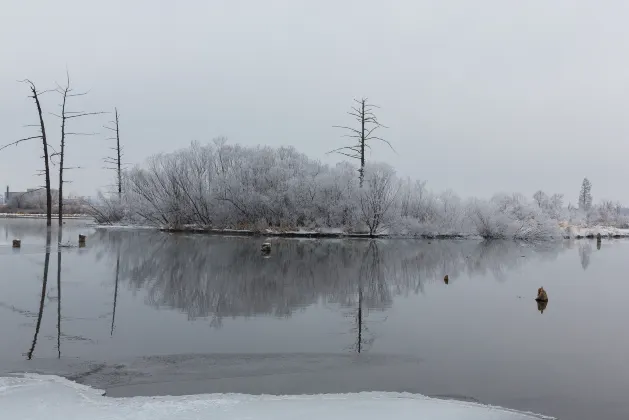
(585, 251)
(217, 277)
(372, 292)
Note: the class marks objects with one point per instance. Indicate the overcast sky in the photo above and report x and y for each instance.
(481, 96)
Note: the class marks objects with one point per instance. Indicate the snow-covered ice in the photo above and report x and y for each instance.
(34, 397)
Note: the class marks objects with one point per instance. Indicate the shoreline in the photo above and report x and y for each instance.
(589, 233)
(576, 231)
(42, 216)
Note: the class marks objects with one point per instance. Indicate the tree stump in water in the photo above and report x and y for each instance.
(542, 296)
(82, 240)
(266, 248)
(17, 243)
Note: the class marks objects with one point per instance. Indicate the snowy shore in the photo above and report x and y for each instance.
(569, 232)
(46, 397)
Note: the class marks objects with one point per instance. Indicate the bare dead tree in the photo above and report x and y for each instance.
(363, 112)
(35, 94)
(66, 92)
(117, 159)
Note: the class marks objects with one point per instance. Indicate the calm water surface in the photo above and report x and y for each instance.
(138, 312)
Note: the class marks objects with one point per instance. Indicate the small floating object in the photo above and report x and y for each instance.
(17, 243)
(82, 239)
(446, 279)
(266, 248)
(542, 296)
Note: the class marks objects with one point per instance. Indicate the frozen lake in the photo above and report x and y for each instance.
(138, 312)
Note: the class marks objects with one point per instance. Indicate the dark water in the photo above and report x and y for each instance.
(138, 312)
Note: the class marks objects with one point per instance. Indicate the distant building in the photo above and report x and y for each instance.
(24, 196)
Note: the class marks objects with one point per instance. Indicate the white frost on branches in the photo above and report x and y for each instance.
(222, 186)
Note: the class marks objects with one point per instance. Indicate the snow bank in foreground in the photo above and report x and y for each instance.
(51, 397)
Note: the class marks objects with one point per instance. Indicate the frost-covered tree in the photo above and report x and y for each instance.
(378, 198)
(541, 199)
(585, 195)
(555, 206)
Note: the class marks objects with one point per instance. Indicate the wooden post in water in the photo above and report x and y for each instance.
(17, 243)
(598, 241)
(82, 240)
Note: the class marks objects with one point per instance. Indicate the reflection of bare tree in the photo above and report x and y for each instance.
(217, 277)
(585, 251)
(59, 240)
(113, 313)
(29, 354)
(373, 292)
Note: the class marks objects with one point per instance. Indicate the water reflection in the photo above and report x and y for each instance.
(541, 306)
(29, 354)
(59, 265)
(218, 277)
(372, 292)
(116, 281)
(585, 251)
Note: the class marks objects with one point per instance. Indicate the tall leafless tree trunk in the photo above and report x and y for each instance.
(35, 95)
(62, 152)
(117, 160)
(65, 115)
(363, 112)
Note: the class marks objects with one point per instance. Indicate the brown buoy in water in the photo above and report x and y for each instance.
(446, 279)
(542, 296)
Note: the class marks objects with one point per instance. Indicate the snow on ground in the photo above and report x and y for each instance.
(582, 231)
(34, 397)
(570, 231)
(121, 227)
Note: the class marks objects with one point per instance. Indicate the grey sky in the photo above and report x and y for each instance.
(481, 96)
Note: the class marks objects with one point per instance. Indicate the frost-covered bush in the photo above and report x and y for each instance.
(219, 185)
(107, 210)
(512, 216)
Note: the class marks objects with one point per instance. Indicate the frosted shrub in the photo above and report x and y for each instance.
(229, 186)
(514, 217)
(107, 210)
